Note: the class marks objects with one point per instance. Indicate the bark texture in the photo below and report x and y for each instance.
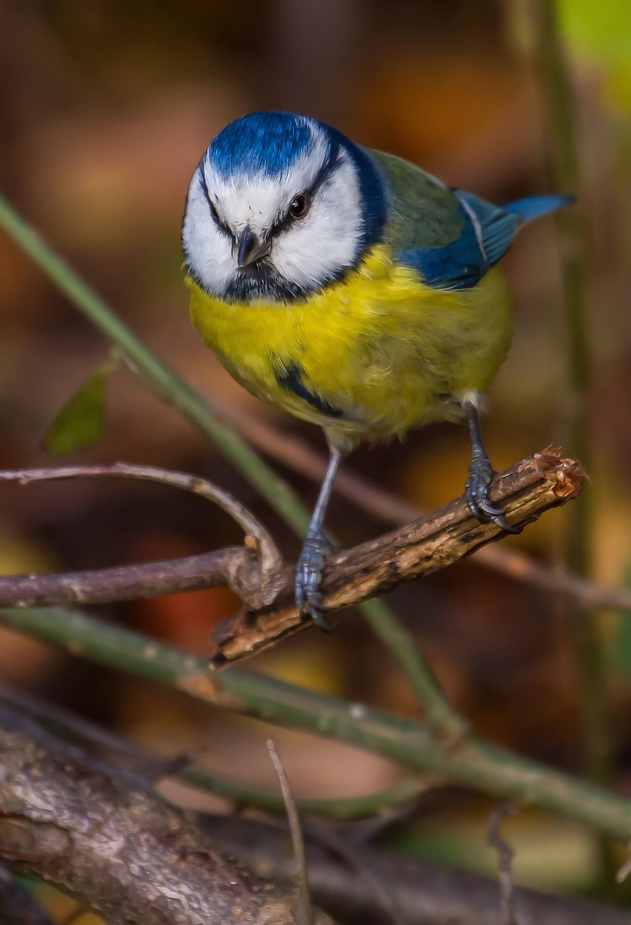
(109, 840)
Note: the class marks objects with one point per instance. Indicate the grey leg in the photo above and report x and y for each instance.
(314, 551)
(480, 475)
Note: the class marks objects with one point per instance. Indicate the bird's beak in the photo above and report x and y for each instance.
(250, 248)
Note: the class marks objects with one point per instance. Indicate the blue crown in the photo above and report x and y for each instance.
(260, 142)
(269, 143)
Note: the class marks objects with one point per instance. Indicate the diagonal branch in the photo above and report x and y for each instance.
(425, 892)
(533, 486)
(116, 845)
(469, 762)
(351, 576)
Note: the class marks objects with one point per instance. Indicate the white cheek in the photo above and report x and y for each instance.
(209, 252)
(327, 241)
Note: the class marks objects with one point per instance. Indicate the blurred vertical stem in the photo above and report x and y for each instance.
(563, 162)
(172, 389)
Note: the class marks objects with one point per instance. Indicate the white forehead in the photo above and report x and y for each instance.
(258, 199)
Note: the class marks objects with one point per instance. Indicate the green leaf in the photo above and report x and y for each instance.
(79, 424)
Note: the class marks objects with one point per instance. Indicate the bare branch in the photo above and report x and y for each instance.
(388, 507)
(425, 893)
(303, 908)
(231, 566)
(357, 860)
(271, 558)
(533, 486)
(121, 850)
(351, 576)
(504, 864)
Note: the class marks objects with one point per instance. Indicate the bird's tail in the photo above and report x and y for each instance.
(533, 206)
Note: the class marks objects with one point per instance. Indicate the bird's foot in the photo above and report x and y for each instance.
(477, 494)
(309, 569)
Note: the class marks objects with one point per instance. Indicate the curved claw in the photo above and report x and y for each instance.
(476, 490)
(318, 618)
(496, 515)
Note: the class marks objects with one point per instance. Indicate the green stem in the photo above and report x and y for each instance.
(470, 763)
(175, 391)
(338, 808)
(439, 713)
(160, 379)
(590, 656)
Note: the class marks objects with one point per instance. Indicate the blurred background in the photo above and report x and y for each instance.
(105, 109)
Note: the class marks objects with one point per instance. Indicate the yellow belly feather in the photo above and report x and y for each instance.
(380, 346)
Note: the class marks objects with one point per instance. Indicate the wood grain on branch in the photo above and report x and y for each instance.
(524, 492)
(256, 572)
(115, 844)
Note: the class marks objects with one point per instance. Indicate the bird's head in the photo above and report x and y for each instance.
(279, 206)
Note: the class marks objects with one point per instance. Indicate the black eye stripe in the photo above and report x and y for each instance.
(286, 220)
(221, 225)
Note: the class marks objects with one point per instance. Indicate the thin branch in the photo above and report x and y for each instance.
(157, 376)
(469, 763)
(121, 850)
(351, 576)
(439, 712)
(357, 860)
(369, 807)
(427, 893)
(390, 508)
(256, 584)
(256, 534)
(504, 864)
(304, 914)
(255, 576)
(450, 533)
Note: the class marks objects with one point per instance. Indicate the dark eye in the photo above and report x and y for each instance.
(298, 206)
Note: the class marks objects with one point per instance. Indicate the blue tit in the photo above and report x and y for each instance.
(350, 288)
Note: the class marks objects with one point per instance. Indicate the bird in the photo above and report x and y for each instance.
(352, 289)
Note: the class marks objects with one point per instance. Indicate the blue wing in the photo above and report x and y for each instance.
(487, 232)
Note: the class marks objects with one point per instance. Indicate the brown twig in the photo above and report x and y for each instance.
(271, 559)
(351, 576)
(255, 577)
(433, 542)
(304, 914)
(357, 860)
(388, 507)
(425, 893)
(121, 850)
(504, 864)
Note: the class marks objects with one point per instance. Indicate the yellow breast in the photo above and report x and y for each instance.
(369, 356)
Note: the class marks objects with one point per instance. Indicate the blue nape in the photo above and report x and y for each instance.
(486, 235)
(261, 142)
